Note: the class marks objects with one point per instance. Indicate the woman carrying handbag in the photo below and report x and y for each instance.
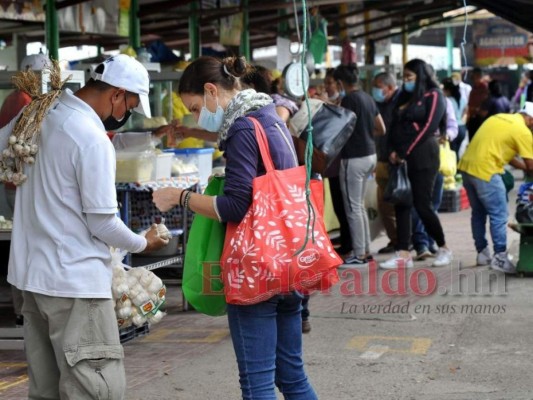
(267, 335)
(417, 115)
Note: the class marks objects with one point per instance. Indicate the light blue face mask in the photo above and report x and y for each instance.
(211, 121)
(409, 86)
(378, 95)
(342, 93)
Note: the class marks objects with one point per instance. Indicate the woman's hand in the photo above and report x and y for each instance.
(164, 130)
(166, 199)
(182, 132)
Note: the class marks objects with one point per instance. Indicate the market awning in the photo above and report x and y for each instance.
(168, 20)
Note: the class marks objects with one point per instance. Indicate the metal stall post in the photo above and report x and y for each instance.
(135, 25)
(52, 30)
(449, 47)
(194, 30)
(245, 36)
(405, 42)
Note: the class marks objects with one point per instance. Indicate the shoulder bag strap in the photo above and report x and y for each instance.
(263, 144)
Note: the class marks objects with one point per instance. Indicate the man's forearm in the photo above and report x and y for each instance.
(519, 164)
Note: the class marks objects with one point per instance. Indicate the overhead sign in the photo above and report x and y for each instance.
(498, 42)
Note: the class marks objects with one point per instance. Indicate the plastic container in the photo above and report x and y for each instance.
(134, 166)
(162, 166)
(201, 158)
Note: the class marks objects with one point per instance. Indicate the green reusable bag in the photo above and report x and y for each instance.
(202, 283)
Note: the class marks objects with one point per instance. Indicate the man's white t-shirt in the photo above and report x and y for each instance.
(52, 250)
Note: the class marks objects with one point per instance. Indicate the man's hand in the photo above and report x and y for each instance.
(394, 159)
(153, 240)
(166, 199)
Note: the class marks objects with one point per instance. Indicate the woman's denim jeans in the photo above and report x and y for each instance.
(267, 338)
(487, 199)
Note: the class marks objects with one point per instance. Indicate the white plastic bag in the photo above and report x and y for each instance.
(137, 292)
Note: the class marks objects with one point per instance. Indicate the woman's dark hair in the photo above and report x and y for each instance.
(495, 88)
(224, 73)
(425, 81)
(274, 86)
(455, 92)
(257, 78)
(347, 73)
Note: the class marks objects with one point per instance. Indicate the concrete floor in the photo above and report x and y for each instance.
(468, 341)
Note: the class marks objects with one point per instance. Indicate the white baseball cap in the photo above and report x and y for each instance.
(125, 72)
(528, 109)
(35, 62)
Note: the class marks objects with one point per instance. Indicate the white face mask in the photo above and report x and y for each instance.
(211, 121)
(334, 97)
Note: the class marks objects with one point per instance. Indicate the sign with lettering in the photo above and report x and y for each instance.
(498, 42)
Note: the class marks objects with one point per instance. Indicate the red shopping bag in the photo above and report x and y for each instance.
(263, 254)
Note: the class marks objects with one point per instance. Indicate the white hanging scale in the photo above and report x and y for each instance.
(295, 84)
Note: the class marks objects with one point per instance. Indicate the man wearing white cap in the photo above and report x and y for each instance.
(499, 140)
(65, 220)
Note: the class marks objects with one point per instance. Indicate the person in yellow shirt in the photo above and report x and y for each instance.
(497, 142)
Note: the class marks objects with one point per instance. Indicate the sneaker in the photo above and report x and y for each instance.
(354, 260)
(422, 254)
(443, 257)
(501, 262)
(396, 261)
(483, 257)
(306, 326)
(387, 249)
(433, 248)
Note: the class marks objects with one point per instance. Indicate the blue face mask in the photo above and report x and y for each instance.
(378, 95)
(342, 93)
(211, 121)
(409, 87)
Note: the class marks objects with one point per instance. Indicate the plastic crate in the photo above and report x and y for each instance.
(127, 334)
(454, 200)
(131, 332)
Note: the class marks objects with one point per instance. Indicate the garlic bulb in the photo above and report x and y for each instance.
(124, 312)
(162, 231)
(138, 320)
(157, 317)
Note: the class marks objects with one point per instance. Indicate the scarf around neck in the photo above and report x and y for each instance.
(243, 103)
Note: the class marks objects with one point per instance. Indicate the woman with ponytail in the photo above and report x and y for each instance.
(267, 336)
